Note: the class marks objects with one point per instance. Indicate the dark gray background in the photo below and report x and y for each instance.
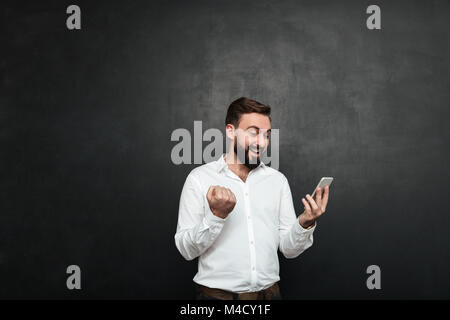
(86, 117)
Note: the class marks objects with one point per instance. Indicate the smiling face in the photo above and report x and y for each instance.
(251, 138)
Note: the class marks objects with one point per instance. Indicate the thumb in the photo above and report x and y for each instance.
(211, 192)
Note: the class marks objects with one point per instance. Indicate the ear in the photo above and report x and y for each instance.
(230, 131)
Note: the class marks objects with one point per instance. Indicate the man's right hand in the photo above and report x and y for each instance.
(221, 201)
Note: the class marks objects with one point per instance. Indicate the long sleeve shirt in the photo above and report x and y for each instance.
(239, 253)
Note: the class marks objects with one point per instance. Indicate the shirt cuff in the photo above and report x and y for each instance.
(213, 220)
(302, 231)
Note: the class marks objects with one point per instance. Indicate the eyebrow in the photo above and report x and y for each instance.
(257, 128)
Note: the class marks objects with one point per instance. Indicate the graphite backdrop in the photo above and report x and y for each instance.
(86, 116)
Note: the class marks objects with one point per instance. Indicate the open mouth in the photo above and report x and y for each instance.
(255, 151)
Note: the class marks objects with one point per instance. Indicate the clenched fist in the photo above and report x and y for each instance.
(221, 201)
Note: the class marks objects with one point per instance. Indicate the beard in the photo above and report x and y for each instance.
(239, 151)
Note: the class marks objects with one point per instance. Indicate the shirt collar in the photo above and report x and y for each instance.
(221, 164)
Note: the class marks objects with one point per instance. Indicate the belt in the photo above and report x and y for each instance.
(220, 294)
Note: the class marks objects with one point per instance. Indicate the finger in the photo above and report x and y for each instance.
(312, 203)
(219, 193)
(234, 197)
(210, 192)
(306, 204)
(224, 193)
(319, 197)
(230, 195)
(227, 194)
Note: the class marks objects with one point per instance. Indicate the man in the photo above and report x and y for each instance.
(236, 212)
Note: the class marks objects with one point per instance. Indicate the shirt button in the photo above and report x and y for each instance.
(246, 193)
(251, 242)
(253, 268)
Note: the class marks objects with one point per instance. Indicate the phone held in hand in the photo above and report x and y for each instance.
(325, 181)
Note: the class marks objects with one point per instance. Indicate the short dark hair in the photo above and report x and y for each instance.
(244, 105)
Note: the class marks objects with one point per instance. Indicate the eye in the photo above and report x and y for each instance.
(252, 133)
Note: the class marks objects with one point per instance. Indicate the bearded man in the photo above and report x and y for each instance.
(236, 212)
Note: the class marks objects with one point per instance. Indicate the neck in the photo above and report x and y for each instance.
(236, 166)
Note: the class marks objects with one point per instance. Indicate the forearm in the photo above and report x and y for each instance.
(193, 242)
(296, 240)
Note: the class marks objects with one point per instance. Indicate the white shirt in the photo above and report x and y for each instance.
(239, 253)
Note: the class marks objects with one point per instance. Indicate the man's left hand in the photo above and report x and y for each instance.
(314, 208)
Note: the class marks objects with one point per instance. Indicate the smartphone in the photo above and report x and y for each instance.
(325, 181)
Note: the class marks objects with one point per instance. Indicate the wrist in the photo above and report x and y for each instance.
(304, 222)
(218, 214)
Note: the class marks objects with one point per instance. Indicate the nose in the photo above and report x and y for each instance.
(262, 141)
